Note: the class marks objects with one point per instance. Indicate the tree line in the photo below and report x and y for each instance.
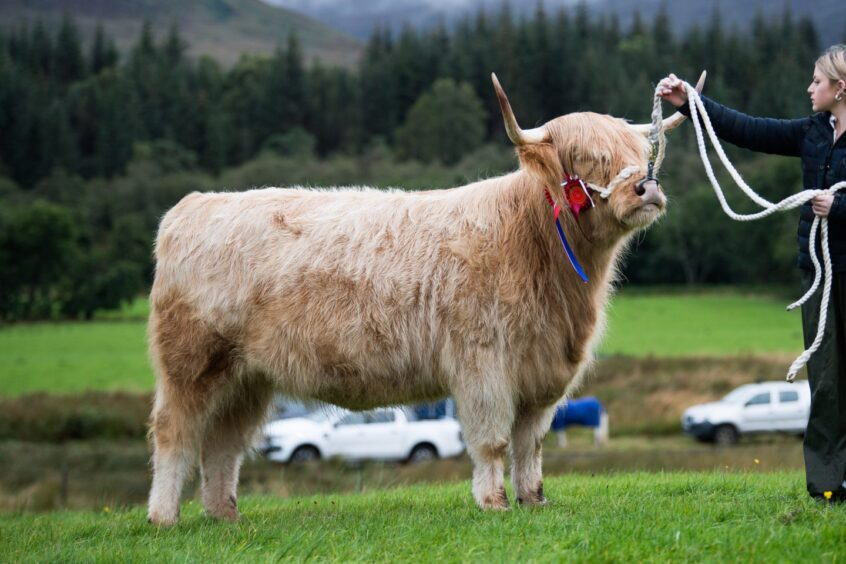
(96, 144)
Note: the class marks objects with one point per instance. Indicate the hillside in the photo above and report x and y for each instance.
(829, 16)
(223, 29)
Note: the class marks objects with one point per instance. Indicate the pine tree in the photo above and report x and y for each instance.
(379, 104)
(144, 74)
(103, 52)
(295, 75)
(40, 51)
(284, 103)
(174, 47)
(410, 77)
(69, 65)
(244, 101)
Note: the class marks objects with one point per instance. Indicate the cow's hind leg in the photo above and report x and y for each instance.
(193, 364)
(173, 431)
(227, 436)
(530, 427)
(486, 422)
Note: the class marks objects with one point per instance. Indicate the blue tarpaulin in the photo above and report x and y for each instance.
(582, 411)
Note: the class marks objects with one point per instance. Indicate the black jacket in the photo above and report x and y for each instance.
(823, 164)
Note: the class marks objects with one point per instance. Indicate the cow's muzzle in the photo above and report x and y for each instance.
(650, 192)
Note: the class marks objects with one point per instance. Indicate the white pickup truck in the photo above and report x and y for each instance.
(383, 434)
(752, 408)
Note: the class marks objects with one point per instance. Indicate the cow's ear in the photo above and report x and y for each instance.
(541, 159)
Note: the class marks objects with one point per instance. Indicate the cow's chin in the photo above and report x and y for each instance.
(643, 216)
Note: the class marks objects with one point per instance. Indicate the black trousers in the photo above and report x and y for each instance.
(825, 438)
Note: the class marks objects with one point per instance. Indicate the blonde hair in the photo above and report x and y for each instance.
(832, 62)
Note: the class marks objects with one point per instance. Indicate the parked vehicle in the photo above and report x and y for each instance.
(288, 408)
(752, 408)
(383, 434)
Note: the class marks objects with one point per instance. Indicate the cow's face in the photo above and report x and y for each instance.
(597, 148)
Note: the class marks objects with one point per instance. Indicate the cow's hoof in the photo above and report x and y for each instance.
(226, 511)
(495, 502)
(161, 520)
(231, 516)
(533, 501)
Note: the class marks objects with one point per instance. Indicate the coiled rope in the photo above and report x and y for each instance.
(697, 108)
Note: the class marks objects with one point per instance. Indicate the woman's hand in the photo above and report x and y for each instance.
(672, 90)
(822, 204)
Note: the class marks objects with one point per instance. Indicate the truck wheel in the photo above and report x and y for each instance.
(305, 453)
(423, 453)
(725, 435)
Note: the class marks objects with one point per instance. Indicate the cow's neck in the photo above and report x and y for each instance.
(598, 256)
(533, 272)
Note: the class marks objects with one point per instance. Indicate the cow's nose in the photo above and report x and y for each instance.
(649, 191)
(645, 186)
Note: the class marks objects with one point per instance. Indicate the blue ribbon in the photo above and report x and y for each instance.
(573, 261)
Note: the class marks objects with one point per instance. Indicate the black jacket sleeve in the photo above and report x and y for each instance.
(766, 135)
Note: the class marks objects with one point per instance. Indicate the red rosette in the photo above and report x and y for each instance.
(576, 196)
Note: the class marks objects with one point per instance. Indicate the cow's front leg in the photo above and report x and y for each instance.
(486, 422)
(530, 427)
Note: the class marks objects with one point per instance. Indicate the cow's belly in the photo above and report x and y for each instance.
(358, 385)
(344, 364)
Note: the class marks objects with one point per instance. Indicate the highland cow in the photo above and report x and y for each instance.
(363, 298)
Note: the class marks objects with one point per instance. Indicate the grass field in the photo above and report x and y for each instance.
(110, 353)
(74, 357)
(640, 517)
(703, 324)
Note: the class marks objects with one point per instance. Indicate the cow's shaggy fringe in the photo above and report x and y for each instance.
(361, 297)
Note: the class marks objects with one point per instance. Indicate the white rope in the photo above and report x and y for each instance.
(791, 202)
(624, 175)
(657, 135)
(658, 140)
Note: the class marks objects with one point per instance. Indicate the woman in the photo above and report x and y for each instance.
(820, 142)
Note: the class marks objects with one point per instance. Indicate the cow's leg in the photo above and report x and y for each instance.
(193, 365)
(530, 427)
(173, 430)
(486, 419)
(228, 435)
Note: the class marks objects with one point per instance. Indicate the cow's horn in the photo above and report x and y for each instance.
(674, 120)
(517, 135)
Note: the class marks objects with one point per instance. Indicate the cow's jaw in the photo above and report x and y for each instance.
(645, 214)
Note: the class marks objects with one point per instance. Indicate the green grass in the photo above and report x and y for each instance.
(110, 353)
(74, 357)
(136, 310)
(713, 324)
(764, 517)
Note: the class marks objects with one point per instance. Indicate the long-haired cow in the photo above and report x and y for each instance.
(362, 298)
